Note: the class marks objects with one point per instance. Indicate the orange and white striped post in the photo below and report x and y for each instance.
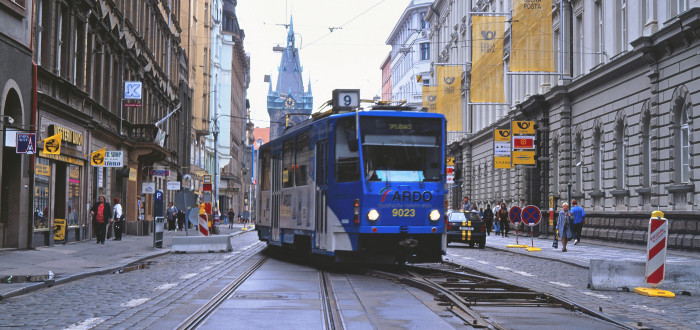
(656, 249)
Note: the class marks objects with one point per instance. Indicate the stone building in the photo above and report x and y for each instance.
(16, 116)
(85, 51)
(617, 129)
(288, 100)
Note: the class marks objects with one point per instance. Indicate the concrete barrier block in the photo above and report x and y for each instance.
(687, 241)
(627, 235)
(610, 275)
(673, 240)
(201, 244)
(696, 242)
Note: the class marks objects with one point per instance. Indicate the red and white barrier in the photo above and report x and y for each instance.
(656, 249)
(203, 225)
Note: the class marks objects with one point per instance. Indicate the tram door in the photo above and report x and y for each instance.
(321, 192)
(276, 198)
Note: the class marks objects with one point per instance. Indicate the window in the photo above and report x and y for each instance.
(621, 142)
(61, 39)
(347, 156)
(288, 164)
(646, 150)
(622, 26)
(555, 165)
(43, 20)
(677, 7)
(265, 170)
(424, 51)
(579, 45)
(579, 162)
(423, 23)
(301, 169)
(685, 147)
(599, 34)
(598, 158)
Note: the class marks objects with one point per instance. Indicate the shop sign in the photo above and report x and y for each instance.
(501, 149)
(26, 143)
(160, 172)
(523, 157)
(100, 176)
(148, 188)
(501, 162)
(59, 229)
(132, 174)
(523, 127)
(67, 135)
(173, 185)
(62, 158)
(42, 169)
(114, 159)
(523, 142)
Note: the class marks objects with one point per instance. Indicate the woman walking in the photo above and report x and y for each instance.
(503, 219)
(564, 226)
(101, 212)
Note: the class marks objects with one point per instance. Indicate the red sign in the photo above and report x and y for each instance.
(531, 215)
(524, 142)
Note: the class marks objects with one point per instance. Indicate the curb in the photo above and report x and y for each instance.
(75, 277)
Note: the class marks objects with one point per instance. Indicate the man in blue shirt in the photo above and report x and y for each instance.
(579, 217)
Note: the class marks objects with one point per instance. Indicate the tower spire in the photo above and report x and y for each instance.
(290, 34)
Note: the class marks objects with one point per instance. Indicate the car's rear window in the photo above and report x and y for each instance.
(457, 216)
(473, 216)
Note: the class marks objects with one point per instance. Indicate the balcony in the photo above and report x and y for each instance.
(142, 133)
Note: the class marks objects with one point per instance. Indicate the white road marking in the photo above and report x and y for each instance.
(86, 324)
(166, 286)
(561, 284)
(597, 295)
(648, 309)
(188, 276)
(218, 263)
(503, 268)
(482, 262)
(520, 272)
(135, 302)
(466, 258)
(206, 268)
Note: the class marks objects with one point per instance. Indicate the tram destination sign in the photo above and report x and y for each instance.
(114, 159)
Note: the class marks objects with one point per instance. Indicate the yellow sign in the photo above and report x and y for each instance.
(531, 48)
(52, 145)
(487, 59)
(430, 98)
(523, 158)
(97, 158)
(551, 202)
(501, 135)
(501, 162)
(42, 169)
(132, 174)
(67, 135)
(450, 161)
(419, 78)
(62, 158)
(449, 89)
(523, 128)
(59, 229)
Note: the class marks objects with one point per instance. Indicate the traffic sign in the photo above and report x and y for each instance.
(514, 214)
(531, 215)
(656, 249)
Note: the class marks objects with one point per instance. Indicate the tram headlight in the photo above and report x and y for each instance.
(373, 215)
(434, 215)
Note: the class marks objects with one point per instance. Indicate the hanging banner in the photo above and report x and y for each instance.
(97, 158)
(52, 145)
(430, 98)
(449, 87)
(487, 59)
(531, 45)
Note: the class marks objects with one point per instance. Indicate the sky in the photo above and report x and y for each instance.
(347, 58)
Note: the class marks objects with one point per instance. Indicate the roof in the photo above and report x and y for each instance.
(262, 133)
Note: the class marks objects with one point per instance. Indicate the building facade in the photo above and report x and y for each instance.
(615, 130)
(84, 52)
(16, 116)
(288, 103)
(410, 54)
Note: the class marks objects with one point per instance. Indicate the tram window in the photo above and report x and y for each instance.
(347, 156)
(302, 165)
(288, 164)
(265, 170)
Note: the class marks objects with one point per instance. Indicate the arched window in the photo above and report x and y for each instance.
(621, 144)
(555, 165)
(646, 150)
(685, 146)
(579, 162)
(597, 159)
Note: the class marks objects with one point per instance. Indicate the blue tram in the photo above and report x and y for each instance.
(357, 186)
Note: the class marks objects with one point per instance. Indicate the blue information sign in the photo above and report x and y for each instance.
(26, 143)
(531, 215)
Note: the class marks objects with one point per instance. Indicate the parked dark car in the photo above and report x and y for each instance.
(466, 227)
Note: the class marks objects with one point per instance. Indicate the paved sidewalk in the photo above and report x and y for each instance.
(81, 259)
(581, 254)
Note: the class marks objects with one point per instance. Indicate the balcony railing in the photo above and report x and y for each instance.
(143, 133)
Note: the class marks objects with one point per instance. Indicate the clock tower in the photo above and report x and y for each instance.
(288, 99)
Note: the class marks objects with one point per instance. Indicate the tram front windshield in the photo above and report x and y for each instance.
(401, 149)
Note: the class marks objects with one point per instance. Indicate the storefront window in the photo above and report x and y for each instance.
(41, 194)
(73, 195)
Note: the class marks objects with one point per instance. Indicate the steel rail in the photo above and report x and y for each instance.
(332, 316)
(198, 317)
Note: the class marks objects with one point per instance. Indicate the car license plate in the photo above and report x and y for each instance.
(466, 228)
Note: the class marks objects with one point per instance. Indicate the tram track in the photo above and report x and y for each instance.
(331, 311)
(474, 297)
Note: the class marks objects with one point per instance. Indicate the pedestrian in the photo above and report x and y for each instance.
(488, 218)
(118, 219)
(502, 216)
(466, 206)
(579, 216)
(496, 221)
(564, 226)
(101, 212)
(231, 218)
(180, 220)
(171, 215)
